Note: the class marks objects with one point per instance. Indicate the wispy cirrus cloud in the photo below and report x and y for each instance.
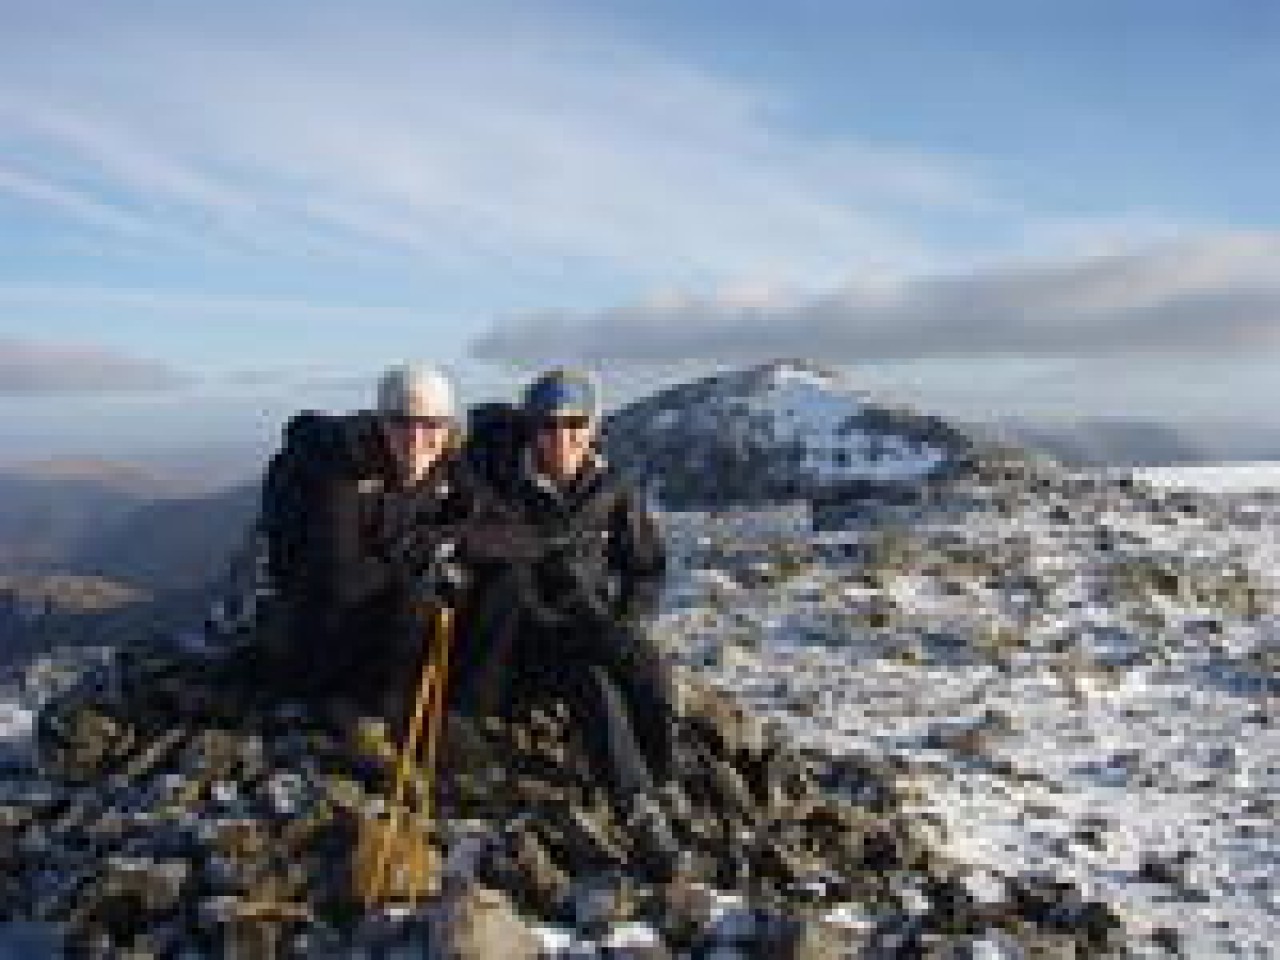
(1216, 296)
(118, 156)
(71, 202)
(440, 142)
(35, 368)
(50, 302)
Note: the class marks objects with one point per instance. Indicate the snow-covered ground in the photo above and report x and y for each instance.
(813, 409)
(1156, 794)
(1215, 477)
(1139, 762)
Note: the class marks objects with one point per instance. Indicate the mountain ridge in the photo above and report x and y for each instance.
(783, 430)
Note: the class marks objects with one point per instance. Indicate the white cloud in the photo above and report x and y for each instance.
(1217, 295)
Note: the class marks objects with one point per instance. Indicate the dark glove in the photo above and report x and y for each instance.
(441, 582)
(417, 550)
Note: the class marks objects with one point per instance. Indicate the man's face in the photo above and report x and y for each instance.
(418, 440)
(562, 443)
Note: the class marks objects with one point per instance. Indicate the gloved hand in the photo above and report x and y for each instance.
(442, 583)
(413, 551)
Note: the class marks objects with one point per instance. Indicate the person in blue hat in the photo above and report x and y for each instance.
(573, 625)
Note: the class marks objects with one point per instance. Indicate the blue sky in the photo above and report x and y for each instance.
(210, 214)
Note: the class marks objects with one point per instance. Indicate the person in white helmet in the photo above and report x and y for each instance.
(418, 416)
(350, 506)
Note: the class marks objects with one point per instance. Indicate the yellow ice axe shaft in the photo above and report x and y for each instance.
(428, 709)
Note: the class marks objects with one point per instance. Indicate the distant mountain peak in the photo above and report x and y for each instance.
(786, 429)
(791, 368)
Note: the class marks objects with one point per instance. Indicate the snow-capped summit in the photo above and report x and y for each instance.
(784, 430)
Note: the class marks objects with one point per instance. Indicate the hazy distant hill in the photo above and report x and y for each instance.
(140, 570)
(91, 549)
(204, 468)
(177, 544)
(45, 509)
(39, 612)
(50, 508)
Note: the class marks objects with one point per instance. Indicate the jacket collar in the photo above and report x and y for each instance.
(563, 495)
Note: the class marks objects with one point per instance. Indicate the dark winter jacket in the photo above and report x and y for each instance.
(574, 616)
(604, 560)
(351, 620)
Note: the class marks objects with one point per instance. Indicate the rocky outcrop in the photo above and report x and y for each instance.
(181, 808)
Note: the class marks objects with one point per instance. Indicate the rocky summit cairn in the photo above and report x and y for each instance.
(178, 812)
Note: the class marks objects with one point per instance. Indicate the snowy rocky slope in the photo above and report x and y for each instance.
(783, 431)
(1252, 477)
(1079, 674)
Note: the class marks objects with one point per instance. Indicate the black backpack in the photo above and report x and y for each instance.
(496, 433)
(317, 447)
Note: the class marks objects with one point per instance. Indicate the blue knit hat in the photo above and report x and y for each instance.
(562, 392)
